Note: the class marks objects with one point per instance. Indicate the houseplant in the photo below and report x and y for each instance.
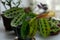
(26, 23)
(20, 17)
(46, 30)
(7, 21)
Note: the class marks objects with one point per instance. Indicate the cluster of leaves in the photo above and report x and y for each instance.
(48, 26)
(28, 20)
(22, 17)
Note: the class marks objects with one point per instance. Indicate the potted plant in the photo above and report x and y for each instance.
(22, 20)
(18, 16)
(6, 20)
(25, 23)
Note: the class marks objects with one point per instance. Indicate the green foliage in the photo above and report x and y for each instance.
(54, 25)
(13, 12)
(33, 27)
(55, 29)
(30, 24)
(18, 20)
(44, 27)
(24, 29)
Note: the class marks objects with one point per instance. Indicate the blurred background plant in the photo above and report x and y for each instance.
(10, 2)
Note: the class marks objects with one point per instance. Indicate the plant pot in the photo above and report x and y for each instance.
(54, 33)
(6, 22)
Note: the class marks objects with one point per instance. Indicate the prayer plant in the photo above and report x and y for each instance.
(29, 21)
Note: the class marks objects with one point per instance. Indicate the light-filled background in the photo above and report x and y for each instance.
(52, 5)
